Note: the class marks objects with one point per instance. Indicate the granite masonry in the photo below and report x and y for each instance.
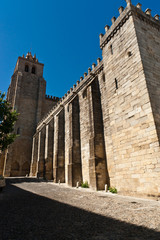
(106, 129)
(26, 94)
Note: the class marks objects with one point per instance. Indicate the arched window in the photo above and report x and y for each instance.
(33, 70)
(26, 68)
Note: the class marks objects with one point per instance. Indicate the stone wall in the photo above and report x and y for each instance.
(107, 127)
(27, 95)
(130, 134)
(48, 102)
(73, 166)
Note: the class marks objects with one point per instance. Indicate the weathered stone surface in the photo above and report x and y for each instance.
(59, 157)
(26, 94)
(73, 165)
(107, 130)
(49, 143)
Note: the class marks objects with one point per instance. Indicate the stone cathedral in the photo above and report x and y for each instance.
(106, 128)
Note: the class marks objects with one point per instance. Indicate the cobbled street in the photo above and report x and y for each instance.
(39, 210)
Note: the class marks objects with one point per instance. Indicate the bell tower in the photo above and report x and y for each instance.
(26, 94)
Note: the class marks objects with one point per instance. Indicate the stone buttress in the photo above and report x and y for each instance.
(106, 128)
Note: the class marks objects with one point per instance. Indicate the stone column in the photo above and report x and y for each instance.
(38, 153)
(92, 167)
(49, 150)
(46, 143)
(41, 154)
(59, 161)
(74, 166)
(34, 156)
(70, 146)
(97, 160)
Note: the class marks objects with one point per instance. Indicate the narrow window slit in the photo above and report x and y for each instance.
(116, 83)
(103, 77)
(111, 49)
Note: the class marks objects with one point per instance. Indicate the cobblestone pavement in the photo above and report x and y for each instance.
(39, 211)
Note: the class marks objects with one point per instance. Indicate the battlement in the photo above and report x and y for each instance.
(125, 14)
(80, 84)
(29, 64)
(30, 58)
(53, 98)
(106, 128)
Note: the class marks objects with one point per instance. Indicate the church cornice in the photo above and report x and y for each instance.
(129, 11)
(83, 84)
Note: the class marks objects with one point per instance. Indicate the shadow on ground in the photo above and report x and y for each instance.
(24, 179)
(27, 216)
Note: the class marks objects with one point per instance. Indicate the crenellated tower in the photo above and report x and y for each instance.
(106, 128)
(130, 50)
(27, 94)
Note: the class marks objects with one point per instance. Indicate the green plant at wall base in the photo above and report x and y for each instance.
(112, 189)
(1, 177)
(85, 184)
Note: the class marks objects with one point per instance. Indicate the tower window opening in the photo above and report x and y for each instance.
(26, 68)
(33, 70)
(116, 83)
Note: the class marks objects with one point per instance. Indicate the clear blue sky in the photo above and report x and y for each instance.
(64, 34)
